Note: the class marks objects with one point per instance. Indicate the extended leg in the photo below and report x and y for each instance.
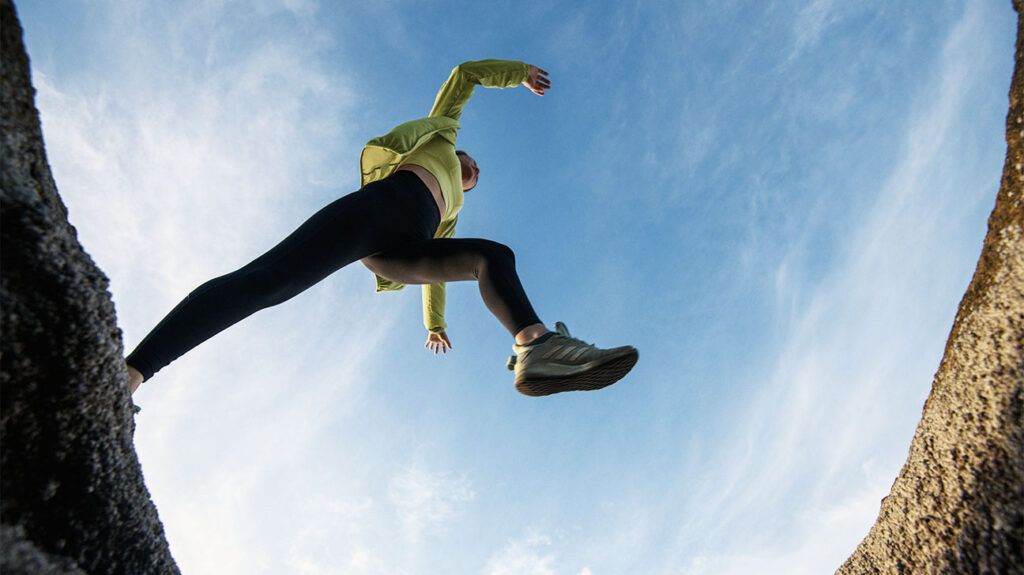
(344, 231)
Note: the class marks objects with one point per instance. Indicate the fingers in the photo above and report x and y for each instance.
(438, 342)
(538, 81)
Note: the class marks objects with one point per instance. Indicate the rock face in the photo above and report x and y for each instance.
(72, 499)
(958, 503)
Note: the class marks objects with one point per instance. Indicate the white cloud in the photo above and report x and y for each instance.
(170, 187)
(534, 553)
(531, 557)
(811, 550)
(426, 500)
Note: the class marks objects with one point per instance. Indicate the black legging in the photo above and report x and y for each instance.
(388, 224)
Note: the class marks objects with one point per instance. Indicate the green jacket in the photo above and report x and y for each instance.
(382, 155)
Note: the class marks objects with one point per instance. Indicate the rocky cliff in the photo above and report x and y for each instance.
(72, 498)
(957, 505)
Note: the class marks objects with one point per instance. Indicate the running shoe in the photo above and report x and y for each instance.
(564, 363)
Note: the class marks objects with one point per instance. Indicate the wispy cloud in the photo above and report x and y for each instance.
(533, 553)
(182, 182)
(817, 449)
(425, 500)
(812, 21)
(530, 555)
(181, 160)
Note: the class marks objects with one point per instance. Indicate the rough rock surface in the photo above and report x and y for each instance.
(957, 505)
(72, 498)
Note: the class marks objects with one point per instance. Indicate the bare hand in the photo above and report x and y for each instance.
(538, 81)
(438, 342)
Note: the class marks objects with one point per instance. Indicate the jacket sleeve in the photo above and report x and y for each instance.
(454, 94)
(434, 294)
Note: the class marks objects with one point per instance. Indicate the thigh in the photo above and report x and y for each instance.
(434, 261)
(350, 228)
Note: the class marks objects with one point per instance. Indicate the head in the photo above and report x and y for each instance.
(470, 171)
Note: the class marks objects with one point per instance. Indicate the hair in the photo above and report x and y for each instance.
(463, 153)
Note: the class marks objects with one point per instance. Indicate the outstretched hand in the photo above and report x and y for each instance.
(438, 342)
(538, 81)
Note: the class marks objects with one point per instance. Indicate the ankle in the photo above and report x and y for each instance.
(135, 379)
(529, 334)
(539, 339)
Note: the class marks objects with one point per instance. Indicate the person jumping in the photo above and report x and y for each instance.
(400, 224)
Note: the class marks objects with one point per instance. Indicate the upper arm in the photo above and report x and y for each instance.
(453, 95)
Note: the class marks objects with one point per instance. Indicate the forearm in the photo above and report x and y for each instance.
(495, 73)
(457, 90)
(433, 307)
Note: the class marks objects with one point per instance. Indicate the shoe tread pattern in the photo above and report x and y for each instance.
(593, 379)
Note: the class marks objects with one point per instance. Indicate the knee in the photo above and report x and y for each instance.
(272, 287)
(497, 252)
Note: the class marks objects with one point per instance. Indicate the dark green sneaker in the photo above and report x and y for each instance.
(564, 363)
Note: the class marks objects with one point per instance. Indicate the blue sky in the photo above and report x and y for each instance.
(779, 203)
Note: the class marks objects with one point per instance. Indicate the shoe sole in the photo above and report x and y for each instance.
(598, 377)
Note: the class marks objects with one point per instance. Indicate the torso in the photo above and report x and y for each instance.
(428, 180)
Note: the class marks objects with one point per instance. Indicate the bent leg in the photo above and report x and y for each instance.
(489, 263)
